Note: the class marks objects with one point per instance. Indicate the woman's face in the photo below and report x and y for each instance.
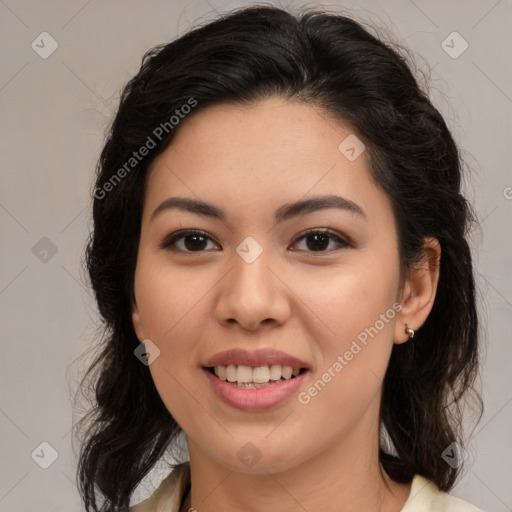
(253, 297)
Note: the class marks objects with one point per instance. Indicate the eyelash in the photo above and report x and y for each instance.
(174, 237)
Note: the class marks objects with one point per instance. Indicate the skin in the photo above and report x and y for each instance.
(312, 304)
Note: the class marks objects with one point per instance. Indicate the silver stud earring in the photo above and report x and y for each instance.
(409, 331)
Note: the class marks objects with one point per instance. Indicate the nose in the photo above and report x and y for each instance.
(252, 294)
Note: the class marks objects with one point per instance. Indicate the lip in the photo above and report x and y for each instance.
(257, 399)
(254, 358)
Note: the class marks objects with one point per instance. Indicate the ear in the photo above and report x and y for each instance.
(137, 323)
(419, 291)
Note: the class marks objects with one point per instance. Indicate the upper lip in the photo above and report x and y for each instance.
(254, 358)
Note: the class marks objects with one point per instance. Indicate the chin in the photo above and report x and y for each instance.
(259, 457)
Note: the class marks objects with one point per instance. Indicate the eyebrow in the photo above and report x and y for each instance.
(285, 212)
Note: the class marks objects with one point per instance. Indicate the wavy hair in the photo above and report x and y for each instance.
(329, 61)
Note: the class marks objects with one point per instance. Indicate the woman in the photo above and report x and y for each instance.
(279, 257)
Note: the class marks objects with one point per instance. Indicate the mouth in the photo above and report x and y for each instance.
(248, 377)
(255, 380)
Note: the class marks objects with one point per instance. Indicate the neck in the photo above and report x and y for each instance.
(345, 477)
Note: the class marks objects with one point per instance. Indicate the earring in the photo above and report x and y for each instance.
(409, 331)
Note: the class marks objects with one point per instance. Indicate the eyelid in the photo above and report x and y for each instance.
(343, 241)
(167, 242)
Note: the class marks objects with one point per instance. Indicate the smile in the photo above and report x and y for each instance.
(253, 378)
(255, 396)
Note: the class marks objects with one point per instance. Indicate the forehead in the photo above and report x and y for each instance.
(263, 155)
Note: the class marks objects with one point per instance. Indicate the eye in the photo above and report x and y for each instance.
(190, 241)
(320, 240)
(193, 241)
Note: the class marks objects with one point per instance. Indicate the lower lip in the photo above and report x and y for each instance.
(255, 399)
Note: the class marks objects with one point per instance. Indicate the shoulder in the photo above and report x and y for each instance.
(423, 497)
(426, 497)
(169, 494)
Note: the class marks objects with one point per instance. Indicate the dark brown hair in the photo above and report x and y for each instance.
(332, 62)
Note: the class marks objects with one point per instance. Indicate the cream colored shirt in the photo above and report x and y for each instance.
(424, 496)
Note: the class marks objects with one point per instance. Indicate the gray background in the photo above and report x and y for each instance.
(54, 112)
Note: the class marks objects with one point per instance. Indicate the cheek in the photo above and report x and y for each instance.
(170, 305)
(349, 302)
(354, 338)
(348, 381)
(168, 298)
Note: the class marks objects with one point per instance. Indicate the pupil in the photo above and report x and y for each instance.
(198, 244)
(320, 241)
(317, 237)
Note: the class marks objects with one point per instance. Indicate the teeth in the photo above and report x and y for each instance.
(244, 374)
(231, 373)
(220, 371)
(287, 372)
(260, 374)
(247, 376)
(275, 372)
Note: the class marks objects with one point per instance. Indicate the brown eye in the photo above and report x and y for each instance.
(319, 240)
(194, 241)
(189, 241)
